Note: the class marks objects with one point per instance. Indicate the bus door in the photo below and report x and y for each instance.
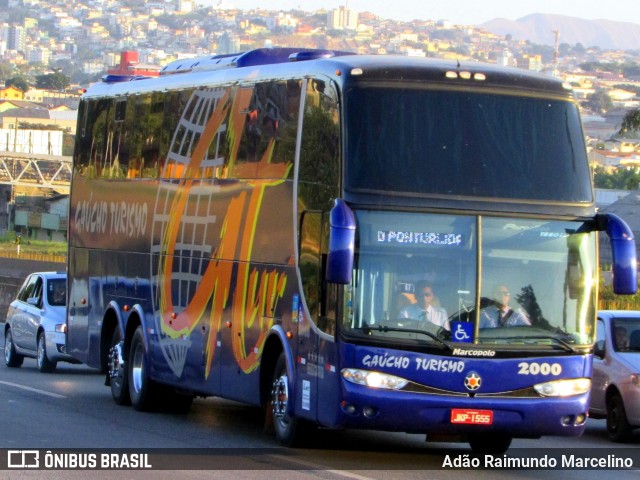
(317, 351)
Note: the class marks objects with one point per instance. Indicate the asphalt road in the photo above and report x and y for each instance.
(72, 409)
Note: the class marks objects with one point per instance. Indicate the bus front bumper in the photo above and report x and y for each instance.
(400, 411)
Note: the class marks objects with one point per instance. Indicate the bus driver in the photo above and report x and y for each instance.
(424, 309)
(499, 313)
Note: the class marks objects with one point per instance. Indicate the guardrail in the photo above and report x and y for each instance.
(38, 257)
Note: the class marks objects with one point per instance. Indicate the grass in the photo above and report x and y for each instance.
(31, 248)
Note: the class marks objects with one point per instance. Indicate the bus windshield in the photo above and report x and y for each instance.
(421, 141)
(514, 281)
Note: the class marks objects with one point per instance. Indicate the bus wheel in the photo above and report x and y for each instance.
(489, 443)
(288, 429)
(618, 427)
(141, 387)
(117, 371)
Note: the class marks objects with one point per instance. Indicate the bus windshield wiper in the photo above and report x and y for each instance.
(565, 345)
(384, 328)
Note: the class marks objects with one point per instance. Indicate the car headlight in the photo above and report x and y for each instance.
(61, 328)
(563, 388)
(635, 379)
(373, 379)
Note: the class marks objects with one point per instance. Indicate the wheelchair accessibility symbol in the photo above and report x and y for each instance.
(462, 331)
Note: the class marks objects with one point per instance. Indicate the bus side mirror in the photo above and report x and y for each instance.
(342, 236)
(623, 253)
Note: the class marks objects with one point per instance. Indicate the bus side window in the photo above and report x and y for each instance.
(320, 149)
(268, 141)
(91, 144)
(328, 291)
(309, 263)
(321, 298)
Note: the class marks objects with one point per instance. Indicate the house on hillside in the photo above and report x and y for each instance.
(612, 159)
(13, 118)
(9, 104)
(11, 92)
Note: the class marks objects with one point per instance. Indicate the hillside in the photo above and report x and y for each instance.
(539, 27)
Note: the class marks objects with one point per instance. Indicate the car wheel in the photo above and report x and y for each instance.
(11, 357)
(142, 389)
(290, 431)
(618, 427)
(118, 379)
(44, 364)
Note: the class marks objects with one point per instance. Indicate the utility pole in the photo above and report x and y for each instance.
(556, 73)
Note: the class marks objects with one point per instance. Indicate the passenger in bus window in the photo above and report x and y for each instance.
(424, 309)
(499, 313)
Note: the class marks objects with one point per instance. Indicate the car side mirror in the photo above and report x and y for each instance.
(598, 349)
(35, 301)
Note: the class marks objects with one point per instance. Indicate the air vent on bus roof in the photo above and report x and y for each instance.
(114, 78)
(259, 56)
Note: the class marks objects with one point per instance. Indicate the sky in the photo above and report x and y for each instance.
(462, 12)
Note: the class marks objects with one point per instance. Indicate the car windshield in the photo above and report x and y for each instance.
(626, 334)
(474, 279)
(57, 292)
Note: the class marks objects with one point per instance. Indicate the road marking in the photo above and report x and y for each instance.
(31, 389)
(315, 466)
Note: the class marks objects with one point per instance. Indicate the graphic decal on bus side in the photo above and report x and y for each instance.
(208, 280)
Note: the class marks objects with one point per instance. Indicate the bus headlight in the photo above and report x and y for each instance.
(373, 379)
(563, 388)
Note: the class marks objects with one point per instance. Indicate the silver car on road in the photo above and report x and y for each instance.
(35, 325)
(615, 385)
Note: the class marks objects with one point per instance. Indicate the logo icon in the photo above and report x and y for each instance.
(472, 381)
(23, 459)
(462, 331)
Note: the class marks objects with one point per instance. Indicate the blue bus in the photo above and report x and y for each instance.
(348, 241)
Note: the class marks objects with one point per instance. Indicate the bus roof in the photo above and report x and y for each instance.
(285, 63)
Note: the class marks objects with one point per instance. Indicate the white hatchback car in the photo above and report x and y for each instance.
(36, 325)
(615, 384)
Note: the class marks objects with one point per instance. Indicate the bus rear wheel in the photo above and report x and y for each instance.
(288, 429)
(117, 373)
(489, 443)
(142, 390)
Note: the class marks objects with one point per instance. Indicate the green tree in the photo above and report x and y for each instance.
(620, 179)
(599, 101)
(53, 81)
(18, 82)
(6, 70)
(630, 123)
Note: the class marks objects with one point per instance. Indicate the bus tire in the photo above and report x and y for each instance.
(142, 389)
(489, 443)
(117, 371)
(289, 430)
(618, 427)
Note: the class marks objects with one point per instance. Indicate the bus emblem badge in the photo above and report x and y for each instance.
(472, 381)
